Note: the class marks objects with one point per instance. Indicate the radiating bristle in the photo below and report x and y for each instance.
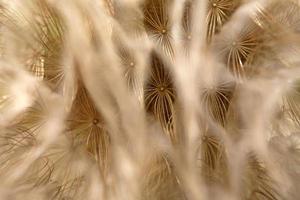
(157, 23)
(216, 100)
(160, 93)
(219, 12)
(86, 126)
(160, 180)
(238, 49)
(45, 29)
(149, 99)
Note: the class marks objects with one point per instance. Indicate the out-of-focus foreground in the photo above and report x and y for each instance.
(150, 100)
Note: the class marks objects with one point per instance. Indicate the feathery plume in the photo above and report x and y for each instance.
(160, 94)
(158, 24)
(218, 13)
(239, 47)
(88, 129)
(105, 99)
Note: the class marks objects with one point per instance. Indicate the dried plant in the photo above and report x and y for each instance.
(219, 12)
(150, 99)
(160, 94)
(157, 23)
(87, 127)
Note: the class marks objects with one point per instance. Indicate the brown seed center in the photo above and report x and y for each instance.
(234, 44)
(95, 121)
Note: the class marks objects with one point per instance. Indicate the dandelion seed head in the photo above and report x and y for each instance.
(154, 99)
